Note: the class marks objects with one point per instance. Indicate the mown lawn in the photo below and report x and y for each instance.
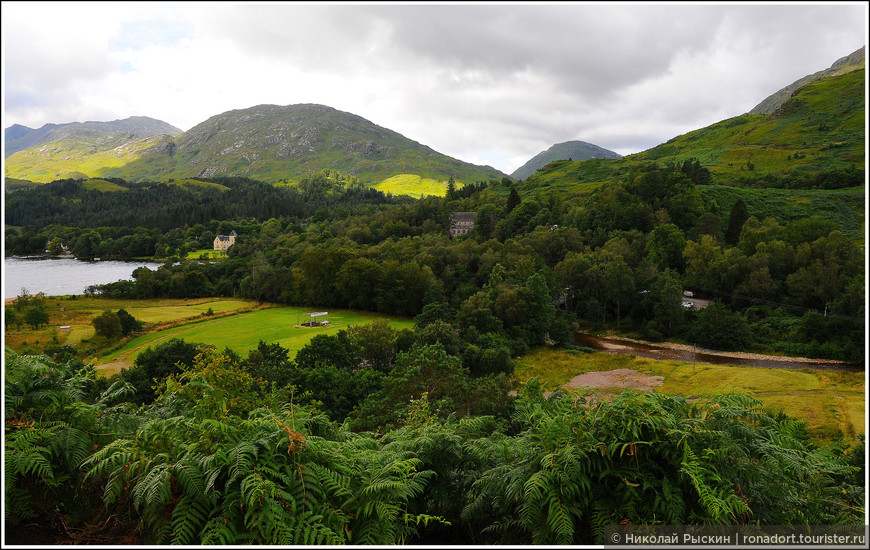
(242, 333)
(832, 403)
(79, 313)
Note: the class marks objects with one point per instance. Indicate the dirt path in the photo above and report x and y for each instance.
(617, 378)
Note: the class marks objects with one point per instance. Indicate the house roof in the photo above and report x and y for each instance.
(464, 217)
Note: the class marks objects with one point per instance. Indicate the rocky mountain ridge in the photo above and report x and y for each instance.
(568, 150)
(18, 137)
(852, 62)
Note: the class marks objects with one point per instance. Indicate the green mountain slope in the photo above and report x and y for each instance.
(267, 142)
(273, 143)
(821, 127)
(569, 150)
(19, 138)
(89, 154)
(851, 62)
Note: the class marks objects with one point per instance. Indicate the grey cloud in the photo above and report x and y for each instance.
(477, 78)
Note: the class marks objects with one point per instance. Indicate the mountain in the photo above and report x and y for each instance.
(271, 143)
(266, 142)
(569, 150)
(20, 137)
(91, 153)
(821, 128)
(16, 131)
(850, 63)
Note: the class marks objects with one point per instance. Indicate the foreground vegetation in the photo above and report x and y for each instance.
(831, 403)
(220, 456)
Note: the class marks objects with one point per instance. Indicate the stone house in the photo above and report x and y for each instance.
(461, 223)
(222, 242)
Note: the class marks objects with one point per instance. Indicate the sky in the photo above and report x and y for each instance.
(487, 83)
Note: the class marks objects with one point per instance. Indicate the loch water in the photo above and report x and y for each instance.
(63, 276)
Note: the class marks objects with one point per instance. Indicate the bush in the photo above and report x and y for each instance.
(108, 325)
(717, 327)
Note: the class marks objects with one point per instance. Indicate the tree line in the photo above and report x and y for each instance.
(533, 264)
(618, 256)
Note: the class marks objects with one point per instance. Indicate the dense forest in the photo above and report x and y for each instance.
(619, 256)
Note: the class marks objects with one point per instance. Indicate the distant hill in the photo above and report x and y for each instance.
(273, 143)
(267, 142)
(90, 154)
(569, 150)
(820, 128)
(851, 62)
(20, 137)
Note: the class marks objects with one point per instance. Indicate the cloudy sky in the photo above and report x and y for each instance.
(486, 83)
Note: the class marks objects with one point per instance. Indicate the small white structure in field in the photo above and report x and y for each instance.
(312, 319)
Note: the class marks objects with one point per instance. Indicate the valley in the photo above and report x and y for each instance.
(452, 397)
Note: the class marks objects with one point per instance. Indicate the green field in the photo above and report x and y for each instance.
(413, 185)
(79, 313)
(832, 403)
(102, 185)
(190, 182)
(843, 206)
(210, 254)
(242, 333)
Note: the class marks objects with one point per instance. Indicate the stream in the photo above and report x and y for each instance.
(653, 351)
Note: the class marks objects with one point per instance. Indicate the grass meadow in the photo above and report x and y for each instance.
(832, 403)
(206, 253)
(78, 314)
(414, 186)
(243, 332)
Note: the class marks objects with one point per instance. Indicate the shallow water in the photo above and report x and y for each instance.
(651, 351)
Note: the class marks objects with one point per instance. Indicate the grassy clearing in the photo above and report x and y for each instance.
(206, 253)
(843, 206)
(103, 186)
(414, 185)
(832, 403)
(189, 182)
(242, 333)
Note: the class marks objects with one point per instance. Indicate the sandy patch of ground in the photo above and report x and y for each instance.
(609, 380)
(618, 378)
(108, 369)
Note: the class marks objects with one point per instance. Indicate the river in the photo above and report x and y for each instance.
(652, 351)
(63, 276)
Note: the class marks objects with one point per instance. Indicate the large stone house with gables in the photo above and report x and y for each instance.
(222, 242)
(461, 223)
